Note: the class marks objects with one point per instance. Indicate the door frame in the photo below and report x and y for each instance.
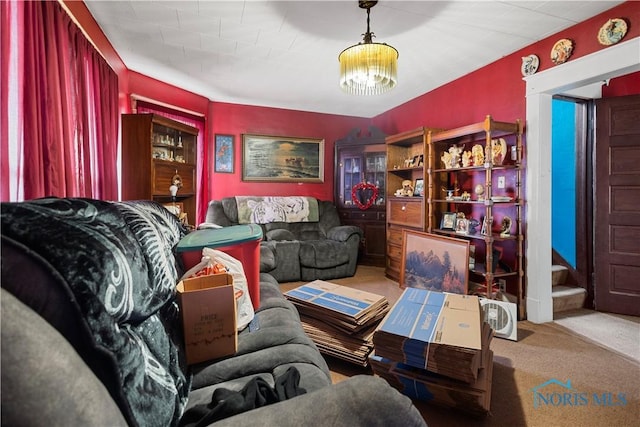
(591, 70)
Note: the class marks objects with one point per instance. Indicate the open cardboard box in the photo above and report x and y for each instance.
(208, 311)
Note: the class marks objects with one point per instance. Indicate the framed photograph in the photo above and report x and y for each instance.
(433, 262)
(224, 149)
(448, 221)
(462, 226)
(282, 159)
(418, 188)
(486, 228)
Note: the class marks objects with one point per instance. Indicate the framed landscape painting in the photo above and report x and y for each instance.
(433, 262)
(282, 159)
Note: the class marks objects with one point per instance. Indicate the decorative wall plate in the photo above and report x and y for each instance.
(561, 51)
(529, 65)
(612, 32)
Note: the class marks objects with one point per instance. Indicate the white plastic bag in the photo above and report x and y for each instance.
(240, 286)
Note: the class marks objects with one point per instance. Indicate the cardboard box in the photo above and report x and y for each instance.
(419, 384)
(208, 311)
(435, 331)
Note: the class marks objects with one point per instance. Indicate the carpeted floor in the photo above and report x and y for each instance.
(615, 331)
(600, 386)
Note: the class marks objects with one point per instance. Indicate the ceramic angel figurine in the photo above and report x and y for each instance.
(455, 152)
(478, 155)
(467, 159)
(446, 159)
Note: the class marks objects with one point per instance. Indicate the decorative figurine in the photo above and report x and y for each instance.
(407, 188)
(446, 159)
(479, 190)
(467, 159)
(456, 153)
(473, 225)
(477, 151)
(450, 193)
(505, 230)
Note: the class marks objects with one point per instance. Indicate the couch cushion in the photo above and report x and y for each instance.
(230, 209)
(280, 234)
(267, 257)
(44, 381)
(322, 254)
(113, 263)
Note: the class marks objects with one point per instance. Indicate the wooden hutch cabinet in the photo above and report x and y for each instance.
(155, 152)
(360, 190)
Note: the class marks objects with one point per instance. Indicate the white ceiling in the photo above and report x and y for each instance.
(284, 54)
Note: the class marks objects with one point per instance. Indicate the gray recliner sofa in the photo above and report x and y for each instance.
(91, 333)
(306, 251)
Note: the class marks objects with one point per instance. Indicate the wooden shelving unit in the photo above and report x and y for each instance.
(452, 189)
(405, 161)
(154, 150)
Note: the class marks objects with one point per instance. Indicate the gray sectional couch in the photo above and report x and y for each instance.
(306, 251)
(91, 334)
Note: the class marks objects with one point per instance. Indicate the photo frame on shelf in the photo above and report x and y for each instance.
(224, 153)
(486, 227)
(433, 262)
(418, 187)
(282, 159)
(462, 226)
(448, 220)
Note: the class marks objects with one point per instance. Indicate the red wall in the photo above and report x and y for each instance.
(237, 119)
(141, 85)
(498, 88)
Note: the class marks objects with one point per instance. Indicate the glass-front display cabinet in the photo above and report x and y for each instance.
(360, 188)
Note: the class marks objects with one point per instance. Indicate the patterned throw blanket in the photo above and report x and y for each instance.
(116, 259)
(265, 210)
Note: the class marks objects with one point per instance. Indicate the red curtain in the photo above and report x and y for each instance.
(61, 108)
(198, 123)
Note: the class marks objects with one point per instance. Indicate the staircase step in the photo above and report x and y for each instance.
(567, 298)
(559, 275)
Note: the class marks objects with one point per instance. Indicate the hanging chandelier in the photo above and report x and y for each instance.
(368, 68)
